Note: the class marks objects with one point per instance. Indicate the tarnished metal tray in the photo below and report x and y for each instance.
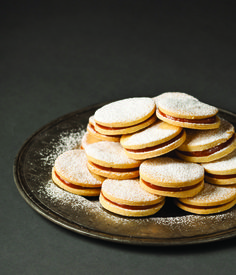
(170, 226)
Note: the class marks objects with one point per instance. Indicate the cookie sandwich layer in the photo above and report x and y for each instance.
(205, 146)
(171, 177)
(71, 174)
(127, 198)
(212, 199)
(109, 160)
(222, 171)
(186, 111)
(158, 139)
(125, 116)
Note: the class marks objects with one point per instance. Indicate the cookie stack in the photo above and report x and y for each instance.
(138, 151)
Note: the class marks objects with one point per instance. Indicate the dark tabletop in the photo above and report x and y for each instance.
(58, 57)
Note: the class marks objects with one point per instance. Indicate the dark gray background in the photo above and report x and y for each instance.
(58, 57)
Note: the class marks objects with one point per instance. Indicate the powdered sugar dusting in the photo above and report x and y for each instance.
(184, 105)
(64, 198)
(72, 166)
(213, 193)
(91, 214)
(156, 132)
(168, 170)
(88, 139)
(125, 110)
(66, 141)
(128, 190)
(224, 164)
(203, 137)
(111, 153)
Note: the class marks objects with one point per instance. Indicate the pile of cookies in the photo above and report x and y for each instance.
(138, 151)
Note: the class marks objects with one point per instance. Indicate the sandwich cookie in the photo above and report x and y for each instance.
(92, 131)
(205, 146)
(108, 159)
(88, 139)
(171, 177)
(70, 172)
(127, 198)
(125, 116)
(212, 199)
(158, 139)
(186, 111)
(222, 171)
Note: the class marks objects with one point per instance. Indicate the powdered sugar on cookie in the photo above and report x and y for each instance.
(166, 170)
(159, 131)
(184, 105)
(203, 137)
(212, 194)
(111, 153)
(72, 165)
(224, 164)
(125, 111)
(128, 190)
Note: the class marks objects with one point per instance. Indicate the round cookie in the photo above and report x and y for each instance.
(205, 146)
(186, 111)
(88, 139)
(222, 171)
(108, 159)
(127, 198)
(158, 139)
(171, 177)
(212, 199)
(70, 172)
(125, 116)
(92, 131)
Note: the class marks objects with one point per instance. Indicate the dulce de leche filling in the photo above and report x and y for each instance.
(120, 128)
(71, 185)
(204, 207)
(156, 147)
(111, 169)
(209, 151)
(171, 189)
(230, 176)
(130, 207)
(92, 126)
(198, 121)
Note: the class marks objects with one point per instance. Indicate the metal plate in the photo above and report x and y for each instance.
(170, 226)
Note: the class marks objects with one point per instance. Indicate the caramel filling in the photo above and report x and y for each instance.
(130, 207)
(71, 185)
(231, 176)
(147, 149)
(111, 169)
(171, 189)
(208, 120)
(203, 207)
(92, 126)
(120, 128)
(210, 151)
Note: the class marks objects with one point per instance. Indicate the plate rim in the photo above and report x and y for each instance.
(44, 211)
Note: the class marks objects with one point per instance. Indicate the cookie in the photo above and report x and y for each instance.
(186, 111)
(108, 159)
(70, 172)
(127, 198)
(205, 146)
(211, 200)
(92, 131)
(171, 177)
(222, 171)
(158, 139)
(125, 116)
(88, 139)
